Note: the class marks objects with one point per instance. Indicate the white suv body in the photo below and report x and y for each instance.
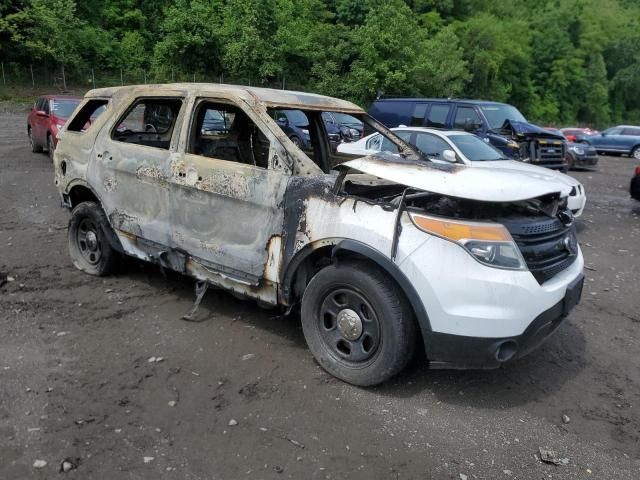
(379, 251)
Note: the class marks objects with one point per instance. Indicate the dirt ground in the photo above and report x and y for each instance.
(238, 395)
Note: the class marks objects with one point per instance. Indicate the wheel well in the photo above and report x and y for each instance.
(323, 256)
(79, 194)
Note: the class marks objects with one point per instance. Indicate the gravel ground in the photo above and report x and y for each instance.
(239, 396)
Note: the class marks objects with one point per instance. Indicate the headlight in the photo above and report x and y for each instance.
(577, 150)
(489, 243)
(513, 145)
(305, 131)
(60, 126)
(353, 132)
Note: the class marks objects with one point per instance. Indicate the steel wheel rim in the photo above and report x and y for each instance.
(88, 241)
(296, 141)
(349, 326)
(636, 154)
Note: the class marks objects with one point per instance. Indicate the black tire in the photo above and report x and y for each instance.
(89, 246)
(50, 147)
(34, 147)
(296, 141)
(635, 153)
(386, 339)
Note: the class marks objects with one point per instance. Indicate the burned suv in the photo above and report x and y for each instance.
(381, 253)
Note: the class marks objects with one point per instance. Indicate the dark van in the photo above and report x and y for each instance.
(500, 124)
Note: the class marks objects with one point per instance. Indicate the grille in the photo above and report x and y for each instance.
(549, 151)
(548, 246)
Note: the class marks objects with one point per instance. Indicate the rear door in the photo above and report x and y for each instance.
(227, 197)
(437, 115)
(610, 140)
(133, 164)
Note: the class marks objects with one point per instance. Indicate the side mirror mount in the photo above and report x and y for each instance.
(282, 122)
(449, 156)
(604, 134)
(41, 113)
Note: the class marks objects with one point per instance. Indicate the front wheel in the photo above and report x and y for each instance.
(635, 153)
(357, 323)
(89, 246)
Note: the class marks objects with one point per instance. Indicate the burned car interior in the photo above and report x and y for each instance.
(149, 122)
(224, 131)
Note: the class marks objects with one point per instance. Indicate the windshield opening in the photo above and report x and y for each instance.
(475, 149)
(498, 114)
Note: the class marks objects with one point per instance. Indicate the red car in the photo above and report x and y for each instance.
(573, 134)
(47, 116)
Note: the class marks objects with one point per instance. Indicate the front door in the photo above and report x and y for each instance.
(132, 169)
(227, 210)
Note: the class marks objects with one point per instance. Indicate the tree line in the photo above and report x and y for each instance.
(559, 61)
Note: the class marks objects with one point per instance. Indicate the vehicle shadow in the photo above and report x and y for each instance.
(539, 374)
(525, 380)
(216, 304)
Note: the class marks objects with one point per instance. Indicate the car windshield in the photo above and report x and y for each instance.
(64, 108)
(297, 118)
(346, 118)
(475, 149)
(497, 114)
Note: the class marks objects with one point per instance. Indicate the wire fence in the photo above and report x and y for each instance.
(63, 79)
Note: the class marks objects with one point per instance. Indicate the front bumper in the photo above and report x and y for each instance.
(458, 352)
(585, 161)
(471, 307)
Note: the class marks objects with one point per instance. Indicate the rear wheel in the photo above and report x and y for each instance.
(50, 146)
(89, 246)
(357, 323)
(34, 147)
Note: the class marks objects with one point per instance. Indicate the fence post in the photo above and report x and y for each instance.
(283, 81)
(172, 76)
(145, 76)
(121, 78)
(64, 79)
(194, 78)
(4, 80)
(33, 80)
(93, 78)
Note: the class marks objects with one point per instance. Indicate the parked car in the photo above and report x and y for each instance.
(452, 146)
(634, 187)
(295, 124)
(47, 116)
(577, 134)
(349, 127)
(480, 265)
(623, 139)
(500, 124)
(579, 155)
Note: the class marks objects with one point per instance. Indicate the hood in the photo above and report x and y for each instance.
(540, 172)
(488, 184)
(527, 129)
